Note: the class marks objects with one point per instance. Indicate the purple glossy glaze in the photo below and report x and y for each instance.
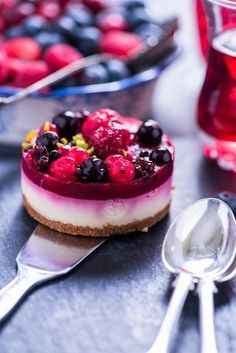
(97, 191)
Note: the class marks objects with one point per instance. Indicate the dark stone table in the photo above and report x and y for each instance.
(115, 300)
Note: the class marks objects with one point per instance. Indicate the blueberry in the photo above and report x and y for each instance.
(53, 155)
(48, 139)
(133, 4)
(94, 74)
(149, 30)
(87, 40)
(92, 170)
(117, 70)
(81, 16)
(229, 198)
(137, 17)
(67, 82)
(33, 25)
(46, 39)
(66, 26)
(144, 154)
(15, 31)
(161, 156)
(66, 123)
(149, 133)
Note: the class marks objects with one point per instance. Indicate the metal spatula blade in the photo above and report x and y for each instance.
(46, 255)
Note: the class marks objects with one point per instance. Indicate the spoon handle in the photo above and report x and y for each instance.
(60, 74)
(162, 341)
(206, 290)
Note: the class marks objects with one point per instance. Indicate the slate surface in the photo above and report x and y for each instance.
(115, 300)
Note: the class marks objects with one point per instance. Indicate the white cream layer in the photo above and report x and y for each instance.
(95, 213)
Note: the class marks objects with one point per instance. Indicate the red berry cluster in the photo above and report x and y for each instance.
(39, 37)
(96, 147)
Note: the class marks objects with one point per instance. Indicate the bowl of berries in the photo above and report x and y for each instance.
(41, 37)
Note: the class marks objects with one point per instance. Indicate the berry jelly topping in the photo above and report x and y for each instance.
(99, 147)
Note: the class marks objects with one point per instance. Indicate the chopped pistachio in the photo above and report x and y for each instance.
(64, 141)
(29, 137)
(46, 126)
(25, 146)
(58, 144)
(91, 151)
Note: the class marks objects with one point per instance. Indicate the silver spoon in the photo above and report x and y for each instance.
(200, 244)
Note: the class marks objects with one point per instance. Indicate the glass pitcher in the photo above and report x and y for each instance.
(216, 113)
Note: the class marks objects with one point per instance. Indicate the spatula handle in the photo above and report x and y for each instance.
(162, 341)
(13, 292)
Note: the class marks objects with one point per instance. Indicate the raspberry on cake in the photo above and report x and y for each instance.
(97, 174)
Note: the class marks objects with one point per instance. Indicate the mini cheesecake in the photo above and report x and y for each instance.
(97, 174)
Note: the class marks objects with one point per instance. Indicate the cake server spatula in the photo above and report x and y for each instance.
(46, 255)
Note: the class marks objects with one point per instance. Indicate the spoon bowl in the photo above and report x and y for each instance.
(201, 240)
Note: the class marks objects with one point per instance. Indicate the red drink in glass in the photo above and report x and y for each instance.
(202, 27)
(217, 101)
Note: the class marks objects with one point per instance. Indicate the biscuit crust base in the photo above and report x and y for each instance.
(106, 231)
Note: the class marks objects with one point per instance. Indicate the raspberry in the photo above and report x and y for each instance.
(60, 55)
(4, 71)
(108, 21)
(23, 48)
(121, 44)
(120, 169)
(78, 154)
(63, 169)
(97, 119)
(110, 139)
(49, 9)
(63, 150)
(143, 168)
(31, 73)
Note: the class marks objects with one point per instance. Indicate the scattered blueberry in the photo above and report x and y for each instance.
(87, 40)
(143, 167)
(133, 4)
(149, 30)
(66, 124)
(117, 70)
(48, 139)
(161, 156)
(66, 26)
(81, 16)
(92, 170)
(53, 155)
(15, 32)
(93, 75)
(46, 39)
(229, 198)
(137, 17)
(149, 133)
(33, 25)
